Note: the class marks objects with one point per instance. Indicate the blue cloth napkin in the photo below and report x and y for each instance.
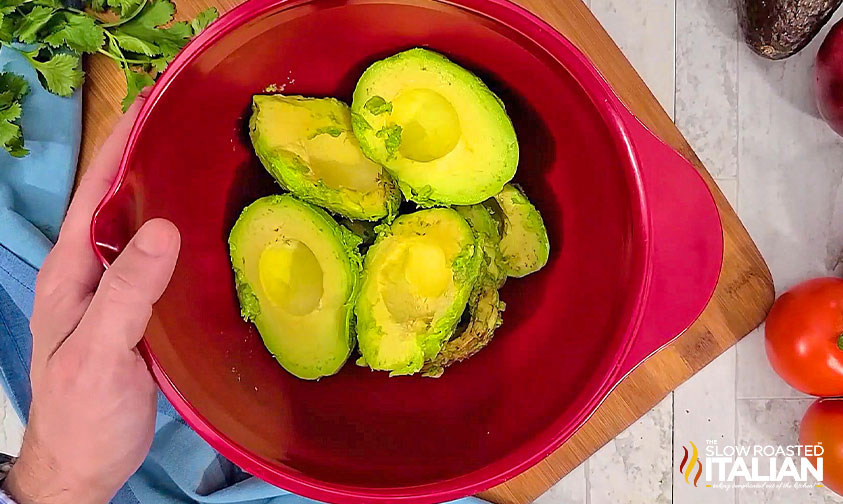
(34, 192)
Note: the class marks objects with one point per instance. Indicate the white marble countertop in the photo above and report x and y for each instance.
(754, 124)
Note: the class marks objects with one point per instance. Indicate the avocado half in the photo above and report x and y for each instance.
(296, 272)
(436, 127)
(487, 230)
(513, 240)
(484, 304)
(484, 310)
(417, 278)
(308, 146)
(524, 245)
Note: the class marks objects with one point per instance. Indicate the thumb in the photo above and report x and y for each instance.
(122, 304)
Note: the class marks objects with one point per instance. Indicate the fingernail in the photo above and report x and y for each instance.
(153, 239)
(144, 93)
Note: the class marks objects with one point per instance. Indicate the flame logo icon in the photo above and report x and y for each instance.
(686, 467)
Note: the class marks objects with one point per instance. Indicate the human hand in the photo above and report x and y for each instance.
(92, 416)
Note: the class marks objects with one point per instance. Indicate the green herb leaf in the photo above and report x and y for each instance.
(391, 136)
(13, 88)
(31, 23)
(159, 64)
(376, 105)
(135, 82)
(203, 19)
(149, 63)
(60, 74)
(142, 34)
(78, 32)
(8, 27)
(11, 112)
(13, 84)
(134, 44)
(125, 7)
(11, 137)
(358, 122)
(330, 130)
(53, 4)
(154, 14)
(143, 40)
(180, 30)
(7, 98)
(175, 38)
(8, 7)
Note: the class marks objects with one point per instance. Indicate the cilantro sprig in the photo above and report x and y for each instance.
(139, 35)
(12, 90)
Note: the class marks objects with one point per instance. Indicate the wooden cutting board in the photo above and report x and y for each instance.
(743, 296)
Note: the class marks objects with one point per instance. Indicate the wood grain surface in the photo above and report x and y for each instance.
(741, 300)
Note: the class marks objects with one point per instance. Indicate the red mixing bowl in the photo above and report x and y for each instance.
(636, 249)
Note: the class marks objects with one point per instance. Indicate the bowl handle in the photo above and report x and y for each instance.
(687, 243)
(111, 226)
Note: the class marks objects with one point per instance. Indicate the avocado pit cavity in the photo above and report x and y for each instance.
(291, 276)
(430, 126)
(414, 281)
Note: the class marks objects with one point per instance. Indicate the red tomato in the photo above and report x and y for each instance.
(805, 335)
(821, 425)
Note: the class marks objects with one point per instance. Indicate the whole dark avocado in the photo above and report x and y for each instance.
(777, 29)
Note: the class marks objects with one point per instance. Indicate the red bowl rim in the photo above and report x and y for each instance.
(577, 64)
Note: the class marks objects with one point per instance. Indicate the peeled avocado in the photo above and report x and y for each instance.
(484, 304)
(426, 295)
(524, 244)
(513, 239)
(441, 133)
(308, 146)
(417, 278)
(484, 309)
(487, 230)
(296, 272)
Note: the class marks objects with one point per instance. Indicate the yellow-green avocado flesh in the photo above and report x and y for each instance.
(417, 278)
(484, 304)
(441, 133)
(524, 245)
(296, 272)
(487, 231)
(308, 146)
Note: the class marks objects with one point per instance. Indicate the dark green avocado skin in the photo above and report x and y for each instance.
(777, 29)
